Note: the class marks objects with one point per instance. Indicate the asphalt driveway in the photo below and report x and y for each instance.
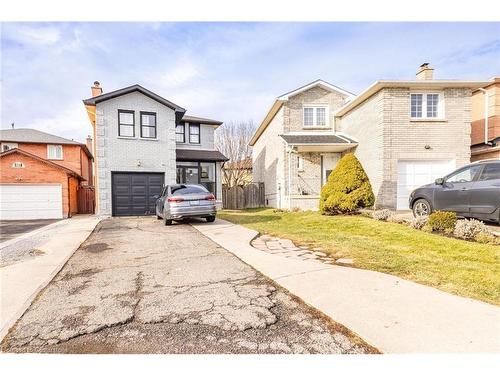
(10, 229)
(137, 286)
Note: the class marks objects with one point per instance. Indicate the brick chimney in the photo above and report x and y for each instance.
(425, 72)
(96, 89)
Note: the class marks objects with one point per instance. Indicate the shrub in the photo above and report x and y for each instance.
(483, 237)
(347, 188)
(427, 228)
(381, 214)
(418, 222)
(443, 221)
(468, 229)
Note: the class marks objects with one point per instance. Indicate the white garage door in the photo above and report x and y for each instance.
(415, 173)
(23, 201)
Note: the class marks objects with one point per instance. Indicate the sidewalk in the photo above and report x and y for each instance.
(22, 281)
(392, 314)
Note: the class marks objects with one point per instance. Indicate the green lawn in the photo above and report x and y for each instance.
(455, 266)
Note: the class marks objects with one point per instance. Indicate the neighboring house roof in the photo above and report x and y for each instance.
(127, 90)
(42, 160)
(25, 135)
(414, 84)
(201, 120)
(199, 155)
(310, 139)
(278, 103)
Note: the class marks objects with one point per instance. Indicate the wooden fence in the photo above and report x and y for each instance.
(86, 200)
(240, 197)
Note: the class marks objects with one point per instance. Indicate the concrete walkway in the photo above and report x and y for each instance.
(21, 281)
(392, 314)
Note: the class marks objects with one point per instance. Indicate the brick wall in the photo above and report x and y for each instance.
(114, 153)
(71, 154)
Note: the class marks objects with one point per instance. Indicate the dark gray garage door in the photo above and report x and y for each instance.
(133, 193)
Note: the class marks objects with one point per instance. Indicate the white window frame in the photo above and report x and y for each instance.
(55, 156)
(440, 108)
(315, 118)
(10, 146)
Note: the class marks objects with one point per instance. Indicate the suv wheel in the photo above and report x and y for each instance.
(422, 208)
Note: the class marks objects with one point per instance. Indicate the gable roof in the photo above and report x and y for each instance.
(278, 103)
(127, 90)
(25, 135)
(318, 82)
(42, 160)
(413, 84)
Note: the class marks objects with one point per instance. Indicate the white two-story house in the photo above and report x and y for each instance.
(404, 133)
(142, 142)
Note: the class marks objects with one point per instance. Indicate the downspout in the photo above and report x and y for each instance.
(486, 115)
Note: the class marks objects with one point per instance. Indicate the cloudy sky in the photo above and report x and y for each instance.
(226, 71)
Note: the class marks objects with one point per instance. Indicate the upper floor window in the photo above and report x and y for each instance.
(55, 152)
(194, 133)
(148, 125)
(316, 116)
(180, 133)
(126, 123)
(426, 106)
(8, 146)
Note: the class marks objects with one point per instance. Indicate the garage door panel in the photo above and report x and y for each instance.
(415, 173)
(133, 193)
(30, 201)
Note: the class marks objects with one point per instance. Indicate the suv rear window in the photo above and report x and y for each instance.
(184, 190)
(490, 172)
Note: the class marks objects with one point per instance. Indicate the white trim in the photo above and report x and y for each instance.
(318, 82)
(315, 116)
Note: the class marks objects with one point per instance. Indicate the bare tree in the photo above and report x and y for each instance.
(232, 139)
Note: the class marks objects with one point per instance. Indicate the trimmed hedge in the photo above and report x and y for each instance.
(442, 221)
(347, 188)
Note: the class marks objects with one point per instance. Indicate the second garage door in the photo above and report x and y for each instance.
(415, 173)
(133, 194)
(30, 201)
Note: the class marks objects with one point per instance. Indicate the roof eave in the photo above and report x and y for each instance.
(269, 116)
(381, 84)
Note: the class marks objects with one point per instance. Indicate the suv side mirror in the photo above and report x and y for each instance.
(439, 181)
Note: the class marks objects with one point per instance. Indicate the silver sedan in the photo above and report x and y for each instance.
(178, 202)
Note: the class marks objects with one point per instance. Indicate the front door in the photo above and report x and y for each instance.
(454, 194)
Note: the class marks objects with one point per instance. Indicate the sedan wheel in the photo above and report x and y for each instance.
(421, 208)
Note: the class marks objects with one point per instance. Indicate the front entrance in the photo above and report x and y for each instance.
(133, 193)
(199, 173)
(328, 163)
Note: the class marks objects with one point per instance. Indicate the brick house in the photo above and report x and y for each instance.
(144, 141)
(485, 136)
(42, 174)
(405, 134)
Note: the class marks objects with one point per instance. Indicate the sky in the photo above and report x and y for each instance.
(225, 71)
